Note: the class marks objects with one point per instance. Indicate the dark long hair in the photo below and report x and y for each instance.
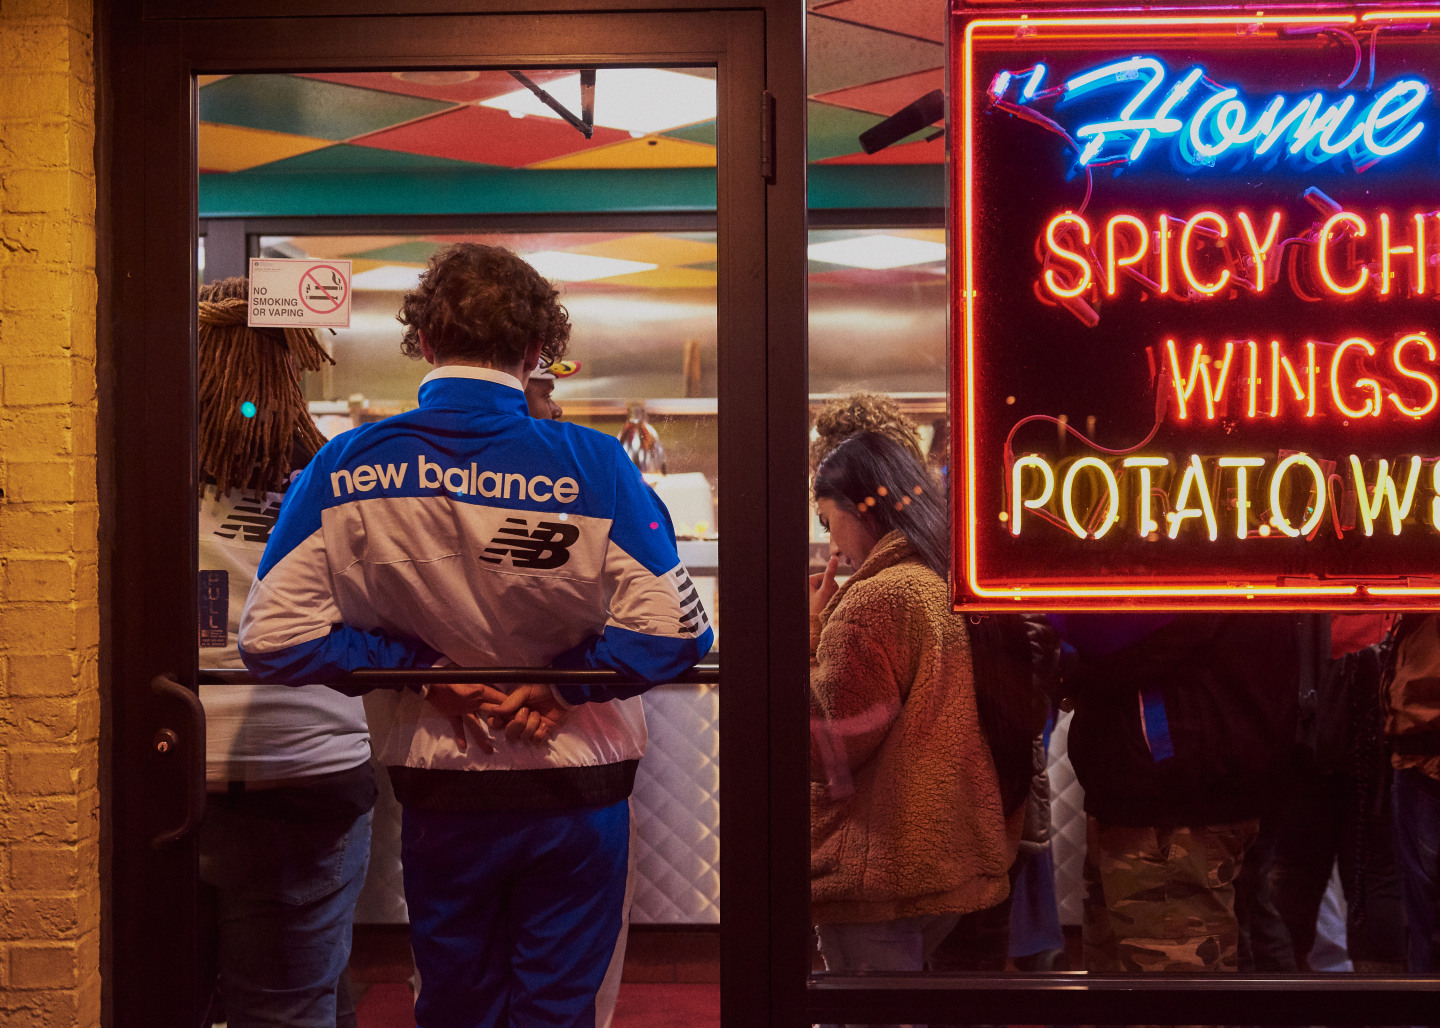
(882, 481)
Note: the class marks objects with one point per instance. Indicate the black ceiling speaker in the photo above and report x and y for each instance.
(925, 111)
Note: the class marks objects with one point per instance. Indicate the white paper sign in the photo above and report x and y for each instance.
(299, 293)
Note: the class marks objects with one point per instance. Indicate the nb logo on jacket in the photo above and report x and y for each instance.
(544, 549)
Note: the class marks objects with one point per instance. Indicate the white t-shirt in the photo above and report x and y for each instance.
(259, 732)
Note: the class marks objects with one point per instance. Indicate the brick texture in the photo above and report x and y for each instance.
(49, 614)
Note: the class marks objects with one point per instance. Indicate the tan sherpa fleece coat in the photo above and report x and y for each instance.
(905, 815)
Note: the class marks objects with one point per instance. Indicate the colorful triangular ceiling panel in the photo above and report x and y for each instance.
(922, 152)
(839, 54)
(307, 107)
(232, 148)
(650, 152)
(922, 19)
(888, 95)
(653, 248)
(487, 136)
(453, 86)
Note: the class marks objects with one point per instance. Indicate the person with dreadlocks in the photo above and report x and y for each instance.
(285, 839)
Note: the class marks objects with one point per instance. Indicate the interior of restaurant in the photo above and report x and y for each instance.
(622, 219)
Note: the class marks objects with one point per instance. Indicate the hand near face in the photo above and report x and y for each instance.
(822, 586)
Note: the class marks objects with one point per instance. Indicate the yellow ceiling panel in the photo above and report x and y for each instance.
(650, 152)
(232, 148)
(205, 80)
(666, 251)
(929, 235)
(666, 278)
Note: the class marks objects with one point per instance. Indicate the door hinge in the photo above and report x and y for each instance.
(767, 136)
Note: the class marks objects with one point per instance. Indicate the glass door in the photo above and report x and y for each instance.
(671, 328)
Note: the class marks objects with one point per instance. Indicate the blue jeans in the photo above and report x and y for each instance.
(514, 915)
(1417, 850)
(904, 944)
(285, 900)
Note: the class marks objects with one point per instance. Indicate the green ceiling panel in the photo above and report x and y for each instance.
(477, 191)
(416, 251)
(860, 187)
(346, 157)
(835, 131)
(701, 133)
(307, 107)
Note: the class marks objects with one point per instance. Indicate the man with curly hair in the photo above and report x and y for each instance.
(466, 532)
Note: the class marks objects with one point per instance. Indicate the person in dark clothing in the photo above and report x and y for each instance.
(1182, 730)
(1412, 730)
(1338, 805)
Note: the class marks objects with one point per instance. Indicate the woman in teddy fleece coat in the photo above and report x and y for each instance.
(906, 827)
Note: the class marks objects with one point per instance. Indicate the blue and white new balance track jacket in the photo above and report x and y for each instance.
(467, 532)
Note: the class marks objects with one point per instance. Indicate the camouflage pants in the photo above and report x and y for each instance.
(1162, 899)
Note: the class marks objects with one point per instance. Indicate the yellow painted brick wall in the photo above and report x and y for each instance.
(49, 620)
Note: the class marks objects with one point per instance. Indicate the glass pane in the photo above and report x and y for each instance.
(1207, 777)
(641, 298)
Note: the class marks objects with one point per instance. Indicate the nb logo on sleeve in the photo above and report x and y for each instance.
(545, 548)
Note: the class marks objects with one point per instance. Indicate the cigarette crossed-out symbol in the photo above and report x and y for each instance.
(323, 289)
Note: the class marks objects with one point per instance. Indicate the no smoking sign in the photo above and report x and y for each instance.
(299, 293)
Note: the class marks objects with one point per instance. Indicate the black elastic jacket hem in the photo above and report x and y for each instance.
(551, 788)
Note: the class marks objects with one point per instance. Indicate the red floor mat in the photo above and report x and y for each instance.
(667, 1006)
(388, 1005)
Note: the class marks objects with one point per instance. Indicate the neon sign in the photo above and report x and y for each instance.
(1210, 121)
(1179, 388)
(1164, 253)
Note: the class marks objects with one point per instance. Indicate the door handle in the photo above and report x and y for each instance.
(184, 744)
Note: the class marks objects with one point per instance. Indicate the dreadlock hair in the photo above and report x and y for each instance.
(862, 412)
(885, 484)
(261, 366)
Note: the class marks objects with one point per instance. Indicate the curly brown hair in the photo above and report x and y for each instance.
(483, 304)
(862, 412)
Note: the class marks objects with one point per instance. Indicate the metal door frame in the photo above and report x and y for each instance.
(149, 54)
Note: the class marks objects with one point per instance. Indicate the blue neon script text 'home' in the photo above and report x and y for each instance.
(1210, 121)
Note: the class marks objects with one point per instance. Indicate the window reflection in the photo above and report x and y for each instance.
(1204, 792)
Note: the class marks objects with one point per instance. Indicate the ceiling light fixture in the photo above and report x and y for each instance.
(581, 267)
(635, 100)
(876, 253)
(395, 278)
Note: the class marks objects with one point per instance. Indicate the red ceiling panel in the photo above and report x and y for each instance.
(923, 19)
(488, 136)
(888, 95)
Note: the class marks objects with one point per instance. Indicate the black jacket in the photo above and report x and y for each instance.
(1184, 719)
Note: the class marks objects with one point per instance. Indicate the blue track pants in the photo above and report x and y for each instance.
(514, 915)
